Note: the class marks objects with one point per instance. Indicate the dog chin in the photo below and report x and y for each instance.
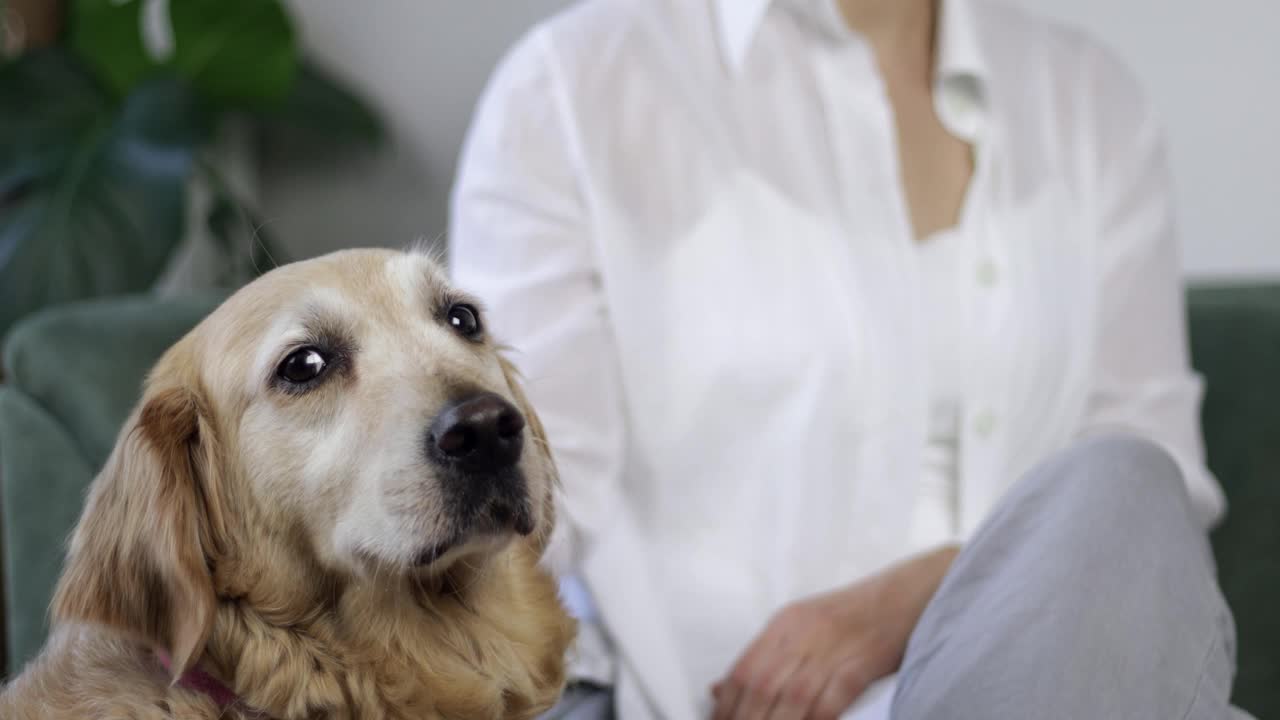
(439, 558)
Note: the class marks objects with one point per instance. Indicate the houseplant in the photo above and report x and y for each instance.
(105, 134)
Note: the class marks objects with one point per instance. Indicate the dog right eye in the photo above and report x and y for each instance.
(302, 366)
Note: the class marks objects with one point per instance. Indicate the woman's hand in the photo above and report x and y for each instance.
(816, 656)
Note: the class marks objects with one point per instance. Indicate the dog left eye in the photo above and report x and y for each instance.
(465, 319)
(302, 366)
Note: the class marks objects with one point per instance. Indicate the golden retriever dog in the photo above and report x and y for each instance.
(330, 502)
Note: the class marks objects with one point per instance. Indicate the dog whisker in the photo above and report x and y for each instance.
(255, 236)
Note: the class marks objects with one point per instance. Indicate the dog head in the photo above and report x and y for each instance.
(353, 404)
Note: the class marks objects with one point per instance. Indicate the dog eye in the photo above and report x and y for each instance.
(302, 366)
(465, 319)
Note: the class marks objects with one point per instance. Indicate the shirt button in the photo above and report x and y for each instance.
(988, 275)
(984, 424)
(957, 103)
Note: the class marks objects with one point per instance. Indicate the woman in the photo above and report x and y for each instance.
(857, 330)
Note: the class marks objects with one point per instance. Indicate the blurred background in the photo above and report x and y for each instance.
(1209, 68)
(154, 154)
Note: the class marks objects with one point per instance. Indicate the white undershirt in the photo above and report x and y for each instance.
(936, 516)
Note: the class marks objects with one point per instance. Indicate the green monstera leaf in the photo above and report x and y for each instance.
(107, 35)
(236, 52)
(92, 194)
(322, 109)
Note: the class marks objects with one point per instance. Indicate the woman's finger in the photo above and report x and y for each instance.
(742, 688)
(842, 688)
(798, 691)
(765, 688)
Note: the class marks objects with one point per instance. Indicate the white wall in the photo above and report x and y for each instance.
(422, 63)
(1212, 68)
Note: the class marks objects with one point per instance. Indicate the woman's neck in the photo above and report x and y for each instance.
(901, 32)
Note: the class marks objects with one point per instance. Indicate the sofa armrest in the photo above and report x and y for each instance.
(72, 374)
(43, 477)
(1235, 343)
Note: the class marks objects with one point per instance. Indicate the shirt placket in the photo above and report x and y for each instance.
(874, 217)
(984, 415)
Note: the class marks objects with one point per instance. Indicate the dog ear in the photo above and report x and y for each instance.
(539, 433)
(140, 558)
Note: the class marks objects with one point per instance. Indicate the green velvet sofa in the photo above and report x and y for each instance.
(72, 373)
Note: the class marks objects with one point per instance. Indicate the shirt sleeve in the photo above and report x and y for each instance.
(1142, 380)
(521, 239)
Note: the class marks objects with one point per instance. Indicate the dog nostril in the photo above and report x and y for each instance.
(456, 441)
(510, 424)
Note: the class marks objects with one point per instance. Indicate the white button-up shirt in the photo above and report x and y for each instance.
(687, 219)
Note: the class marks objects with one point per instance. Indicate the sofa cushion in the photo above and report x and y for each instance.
(84, 362)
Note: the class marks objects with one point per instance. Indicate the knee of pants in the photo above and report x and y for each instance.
(1125, 474)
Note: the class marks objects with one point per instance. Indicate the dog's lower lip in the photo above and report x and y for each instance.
(433, 553)
(524, 525)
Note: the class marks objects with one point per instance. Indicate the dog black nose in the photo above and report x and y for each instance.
(479, 433)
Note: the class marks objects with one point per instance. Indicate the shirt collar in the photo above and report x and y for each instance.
(959, 55)
(738, 21)
(960, 72)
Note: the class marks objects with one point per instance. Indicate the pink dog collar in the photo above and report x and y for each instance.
(197, 680)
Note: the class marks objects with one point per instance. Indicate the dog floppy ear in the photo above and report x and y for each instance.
(140, 557)
(543, 534)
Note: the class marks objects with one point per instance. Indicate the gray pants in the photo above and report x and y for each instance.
(1088, 593)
